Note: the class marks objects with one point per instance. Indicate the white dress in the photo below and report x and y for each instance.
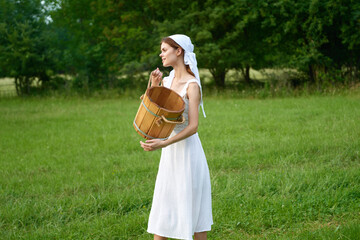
(182, 196)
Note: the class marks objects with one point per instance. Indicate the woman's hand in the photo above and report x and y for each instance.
(156, 77)
(153, 144)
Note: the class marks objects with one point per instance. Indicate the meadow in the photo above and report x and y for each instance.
(281, 168)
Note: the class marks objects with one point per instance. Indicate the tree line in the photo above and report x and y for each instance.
(111, 43)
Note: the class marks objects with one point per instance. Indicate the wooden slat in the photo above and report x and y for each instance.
(155, 130)
(166, 127)
(139, 118)
(155, 94)
(169, 104)
(148, 118)
(164, 97)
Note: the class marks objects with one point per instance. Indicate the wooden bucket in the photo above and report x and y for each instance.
(160, 110)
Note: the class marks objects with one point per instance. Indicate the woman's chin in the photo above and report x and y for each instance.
(167, 64)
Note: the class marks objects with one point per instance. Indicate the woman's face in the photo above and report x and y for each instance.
(168, 55)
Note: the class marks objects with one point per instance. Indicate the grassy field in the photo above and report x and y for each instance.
(282, 168)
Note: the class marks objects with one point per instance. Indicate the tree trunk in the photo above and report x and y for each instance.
(27, 85)
(246, 74)
(44, 78)
(311, 73)
(219, 76)
(356, 71)
(17, 86)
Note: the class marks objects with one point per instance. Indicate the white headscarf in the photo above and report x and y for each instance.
(189, 59)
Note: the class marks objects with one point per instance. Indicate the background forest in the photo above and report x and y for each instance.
(100, 44)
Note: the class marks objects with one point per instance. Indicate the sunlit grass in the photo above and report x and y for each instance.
(283, 168)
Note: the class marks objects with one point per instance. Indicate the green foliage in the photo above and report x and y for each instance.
(110, 44)
(313, 35)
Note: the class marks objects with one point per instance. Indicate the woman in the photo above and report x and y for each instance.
(181, 205)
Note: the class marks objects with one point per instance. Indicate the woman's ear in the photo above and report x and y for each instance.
(178, 51)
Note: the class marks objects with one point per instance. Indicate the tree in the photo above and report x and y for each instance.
(316, 37)
(24, 51)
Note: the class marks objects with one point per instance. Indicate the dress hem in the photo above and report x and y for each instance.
(169, 236)
(176, 237)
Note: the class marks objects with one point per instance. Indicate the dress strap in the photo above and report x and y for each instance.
(182, 93)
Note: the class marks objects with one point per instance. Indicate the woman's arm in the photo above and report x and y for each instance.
(194, 101)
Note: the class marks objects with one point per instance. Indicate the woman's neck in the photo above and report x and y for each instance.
(180, 71)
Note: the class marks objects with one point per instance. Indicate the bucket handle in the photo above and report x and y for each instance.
(163, 118)
(161, 84)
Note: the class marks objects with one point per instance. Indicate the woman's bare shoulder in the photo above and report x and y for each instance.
(193, 90)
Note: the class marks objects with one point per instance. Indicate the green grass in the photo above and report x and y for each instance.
(282, 168)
